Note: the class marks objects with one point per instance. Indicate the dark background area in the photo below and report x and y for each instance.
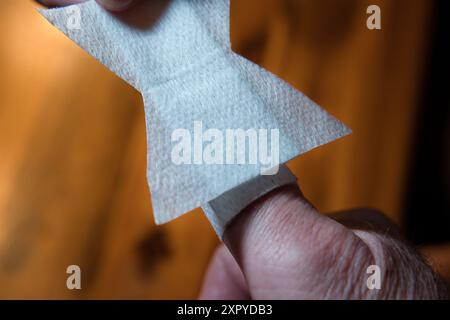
(427, 209)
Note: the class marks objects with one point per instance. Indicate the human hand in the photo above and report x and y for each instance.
(287, 250)
(113, 5)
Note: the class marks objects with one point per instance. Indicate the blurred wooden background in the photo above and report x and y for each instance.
(72, 142)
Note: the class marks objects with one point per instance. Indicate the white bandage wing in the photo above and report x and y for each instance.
(182, 63)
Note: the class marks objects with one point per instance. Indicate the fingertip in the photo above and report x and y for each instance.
(53, 3)
(259, 221)
(116, 5)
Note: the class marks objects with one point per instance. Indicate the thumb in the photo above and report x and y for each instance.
(287, 249)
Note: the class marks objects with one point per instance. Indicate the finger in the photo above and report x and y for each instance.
(286, 249)
(116, 5)
(224, 279)
(365, 219)
(52, 3)
(113, 5)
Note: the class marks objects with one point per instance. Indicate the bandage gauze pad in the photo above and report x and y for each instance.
(218, 125)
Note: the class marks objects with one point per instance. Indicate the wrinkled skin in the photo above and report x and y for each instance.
(287, 250)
